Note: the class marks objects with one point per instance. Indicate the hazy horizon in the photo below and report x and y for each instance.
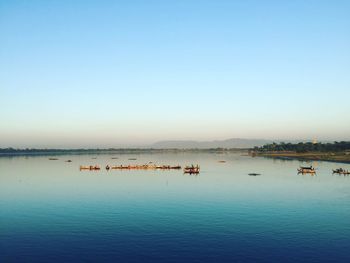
(109, 73)
(160, 143)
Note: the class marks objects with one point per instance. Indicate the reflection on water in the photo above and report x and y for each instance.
(51, 211)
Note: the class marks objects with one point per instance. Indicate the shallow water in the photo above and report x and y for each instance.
(52, 212)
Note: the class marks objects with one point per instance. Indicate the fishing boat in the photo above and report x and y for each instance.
(163, 167)
(254, 174)
(306, 170)
(341, 171)
(192, 169)
(120, 167)
(90, 167)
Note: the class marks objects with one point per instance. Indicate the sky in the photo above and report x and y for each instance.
(111, 73)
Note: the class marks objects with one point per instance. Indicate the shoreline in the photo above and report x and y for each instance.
(339, 157)
(60, 152)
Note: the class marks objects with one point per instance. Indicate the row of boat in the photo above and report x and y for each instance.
(188, 169)
(143, 167)
(192, 169)
(312, 170)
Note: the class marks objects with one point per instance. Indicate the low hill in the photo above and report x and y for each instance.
(229, 143)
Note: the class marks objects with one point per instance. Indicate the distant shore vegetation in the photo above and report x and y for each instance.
(272, 148)
(35, 151)
(304, 147)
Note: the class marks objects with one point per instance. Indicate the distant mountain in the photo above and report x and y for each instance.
(229, 143)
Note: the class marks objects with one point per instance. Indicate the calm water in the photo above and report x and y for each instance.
(52, 212)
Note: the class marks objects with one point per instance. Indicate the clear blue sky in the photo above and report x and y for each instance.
(105, 73)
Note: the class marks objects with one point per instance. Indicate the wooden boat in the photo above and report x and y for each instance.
(306, 170)
(341, 171)
(120, 167)
(90, 167)
(254, 174)
(192, 169)
(163, 167)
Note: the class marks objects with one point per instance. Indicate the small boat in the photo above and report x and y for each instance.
(192, 169)
(163, 167)
(306, 170)
(53, 159)
(120, 167)
(341, 171)
(221, 161)
(254, 174)
(68, 161)
(132, 159)
(90, 167)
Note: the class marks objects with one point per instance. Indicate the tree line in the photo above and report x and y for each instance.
(36, 151)
(303, 147)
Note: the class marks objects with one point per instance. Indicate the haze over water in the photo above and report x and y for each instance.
(52, 212)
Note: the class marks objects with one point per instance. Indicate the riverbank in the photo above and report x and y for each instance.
(341, 157)
(9, 152)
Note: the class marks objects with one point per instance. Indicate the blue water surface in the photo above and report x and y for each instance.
(52, 212)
